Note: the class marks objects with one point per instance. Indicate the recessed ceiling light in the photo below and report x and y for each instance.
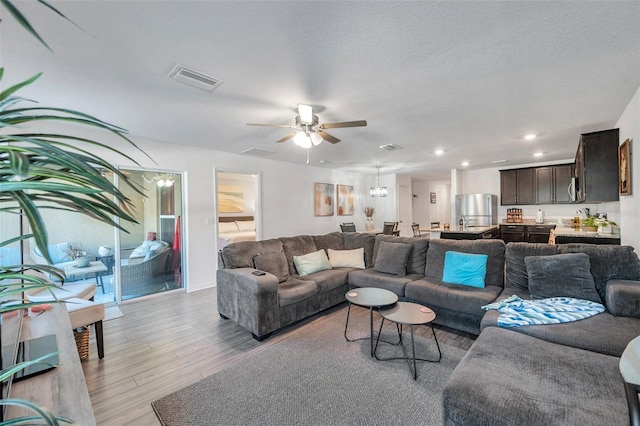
(538, 154)
(465, 163)
(439, 151)
(529, 137)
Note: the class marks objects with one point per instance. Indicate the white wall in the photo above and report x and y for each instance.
(629, 125)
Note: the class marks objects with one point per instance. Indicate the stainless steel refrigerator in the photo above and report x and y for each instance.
(477, 209)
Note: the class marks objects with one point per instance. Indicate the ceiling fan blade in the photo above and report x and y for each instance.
(327, 137)
(286, 138)
(284, 126)
(359, 123)
(306, 113)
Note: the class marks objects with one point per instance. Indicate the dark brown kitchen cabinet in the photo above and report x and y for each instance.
(513, 233)
(516, 186)
(552, 184)
(597, 166)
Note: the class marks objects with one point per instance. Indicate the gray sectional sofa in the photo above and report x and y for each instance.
(561, 374)
(536, 375)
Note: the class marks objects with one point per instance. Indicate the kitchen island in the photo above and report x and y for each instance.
(466, 232)
(564, 235)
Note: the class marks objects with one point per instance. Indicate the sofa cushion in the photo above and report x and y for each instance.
(464, 268)
(346, 258)
(328, 279)
(417, 256)
(516, 269)
(274, 262)
(329, 241)
(297, 246)
(391, 258)
(623, 298)
(294, 290)
(372, 278)
(354, 240)
(561, 275)
(311, 262)
(607, 262)
(493, 248)
(462, 298)
(240, 255)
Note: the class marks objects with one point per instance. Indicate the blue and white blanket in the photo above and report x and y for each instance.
(515, 311)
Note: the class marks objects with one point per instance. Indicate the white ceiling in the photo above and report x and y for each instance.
(471, 78)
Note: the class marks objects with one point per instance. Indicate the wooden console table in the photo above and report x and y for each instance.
(62, 390)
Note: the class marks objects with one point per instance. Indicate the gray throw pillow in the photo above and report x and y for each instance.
(274, 263)
(392, 258)
(561, 275)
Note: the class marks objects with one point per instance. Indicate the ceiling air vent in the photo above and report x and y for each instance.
(391, 147)
(257, 152)
(194, 78)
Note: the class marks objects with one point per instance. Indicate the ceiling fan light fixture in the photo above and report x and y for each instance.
(316, 139)
(302, 140)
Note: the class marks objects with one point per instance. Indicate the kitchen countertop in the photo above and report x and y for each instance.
(570, 232)
(464, 230)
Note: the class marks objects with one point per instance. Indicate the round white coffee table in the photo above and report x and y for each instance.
(407, 313)
(368, 297)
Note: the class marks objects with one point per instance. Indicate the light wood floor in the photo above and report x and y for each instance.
(167, 342)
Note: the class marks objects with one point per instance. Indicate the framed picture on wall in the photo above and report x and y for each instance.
(625, 167)
(323, 198)
(432, 197)
(345, 200)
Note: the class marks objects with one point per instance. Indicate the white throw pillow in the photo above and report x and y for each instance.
(226, 227)
(347, 258)
(140, 251)
(312, 262)
(246, 225)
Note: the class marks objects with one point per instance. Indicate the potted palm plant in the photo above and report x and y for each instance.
(48, 170)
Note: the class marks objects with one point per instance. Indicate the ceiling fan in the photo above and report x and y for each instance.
(308, 131)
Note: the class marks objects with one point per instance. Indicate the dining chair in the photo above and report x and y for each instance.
(390, 228)
(416, 229)
(348, 227)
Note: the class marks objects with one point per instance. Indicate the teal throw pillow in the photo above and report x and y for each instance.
(312, 262)
(465, 268)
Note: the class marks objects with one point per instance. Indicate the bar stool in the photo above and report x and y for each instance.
(83, 313)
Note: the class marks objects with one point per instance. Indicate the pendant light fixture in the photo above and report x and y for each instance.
(378, 191)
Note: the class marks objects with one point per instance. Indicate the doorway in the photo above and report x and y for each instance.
(237, 207)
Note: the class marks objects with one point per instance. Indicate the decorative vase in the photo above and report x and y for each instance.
(104, 251)
(368, 225)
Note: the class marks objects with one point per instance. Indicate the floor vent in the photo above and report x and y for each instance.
(257, 152)
(194, 78)
(391, 147)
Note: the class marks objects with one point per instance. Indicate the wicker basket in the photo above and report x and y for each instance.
(82, 342)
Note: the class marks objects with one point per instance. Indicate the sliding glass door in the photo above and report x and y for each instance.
(150, 253)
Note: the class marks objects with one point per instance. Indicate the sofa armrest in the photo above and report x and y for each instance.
(250, 300)
(622, 298)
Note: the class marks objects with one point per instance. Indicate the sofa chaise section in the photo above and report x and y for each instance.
(509, 378)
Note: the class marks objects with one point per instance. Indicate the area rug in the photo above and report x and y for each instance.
(315, 377)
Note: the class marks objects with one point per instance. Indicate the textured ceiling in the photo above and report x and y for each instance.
(470, 78)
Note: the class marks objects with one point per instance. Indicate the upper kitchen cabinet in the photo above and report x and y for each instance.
(516, 186)
(597, 166)
(552, 184)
